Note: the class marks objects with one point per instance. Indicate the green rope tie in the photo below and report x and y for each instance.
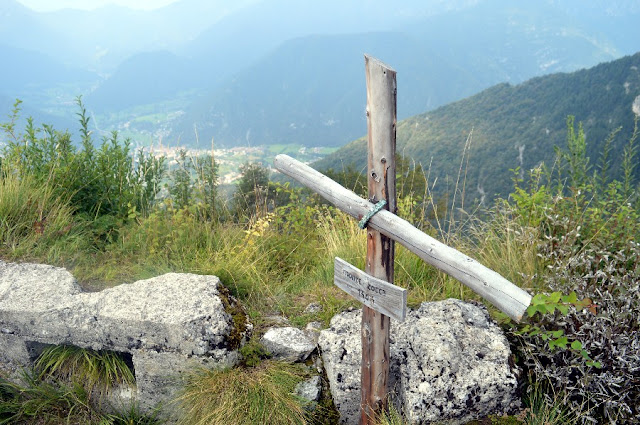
(376, 208)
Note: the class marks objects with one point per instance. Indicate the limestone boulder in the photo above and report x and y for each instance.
(449, 363)
(288, 344)
(165, 324)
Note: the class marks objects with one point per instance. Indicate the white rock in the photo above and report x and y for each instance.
(166, 323)
(310, 390)
(313, 331)
(313, 308)
(288, 344)
(449, 362)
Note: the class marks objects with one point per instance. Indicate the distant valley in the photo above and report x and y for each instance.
(284, 72)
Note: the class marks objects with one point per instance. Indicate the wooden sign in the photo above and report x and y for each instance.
(381, 296)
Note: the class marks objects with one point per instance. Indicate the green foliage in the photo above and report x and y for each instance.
(390, 417)
(96, 371)
(106, 182)
(130, 416)
(575, 156)
(35, 223)
(578, 336)
(206, 170)
(43, 401)
(253, 353)
(544, 407)
(9, 128)
(542, 304)
(250, 197)
(67, 387)
(49, 401)
(350, 177)
(630, 164)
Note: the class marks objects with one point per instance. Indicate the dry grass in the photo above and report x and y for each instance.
(260, 395)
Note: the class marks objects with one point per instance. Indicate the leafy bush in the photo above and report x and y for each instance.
(588, 244)
(96, 182)
(611, 336)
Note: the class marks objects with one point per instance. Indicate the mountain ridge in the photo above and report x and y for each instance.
(514, 126)
(439, 59)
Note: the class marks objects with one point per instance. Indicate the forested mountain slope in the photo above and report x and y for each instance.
(515, 126)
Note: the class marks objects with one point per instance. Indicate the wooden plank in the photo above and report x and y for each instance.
(385, 298)
(506, 296)
(381, 123)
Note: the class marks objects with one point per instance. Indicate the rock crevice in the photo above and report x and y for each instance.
(167, 324)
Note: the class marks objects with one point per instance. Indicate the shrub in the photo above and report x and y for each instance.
(107, 181)
(609, 331)
(588, 245)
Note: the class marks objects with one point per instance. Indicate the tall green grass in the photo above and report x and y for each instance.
(36, 224)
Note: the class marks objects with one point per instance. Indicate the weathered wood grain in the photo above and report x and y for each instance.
(385, 298)
(381, 178)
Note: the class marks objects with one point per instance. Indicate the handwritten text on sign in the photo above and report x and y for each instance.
(375, 293)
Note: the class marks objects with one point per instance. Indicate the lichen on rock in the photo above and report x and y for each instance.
(449, 362)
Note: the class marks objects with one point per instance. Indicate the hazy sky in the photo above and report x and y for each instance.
(49, 5)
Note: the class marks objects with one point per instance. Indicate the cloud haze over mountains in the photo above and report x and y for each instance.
(273, 71)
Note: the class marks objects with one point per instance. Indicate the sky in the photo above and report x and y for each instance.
(50, 5)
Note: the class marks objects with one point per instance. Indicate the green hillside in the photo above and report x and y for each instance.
(137, 77)
(514, 126)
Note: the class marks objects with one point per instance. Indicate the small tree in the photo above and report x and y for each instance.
(207, 182)
(180, 187)
(250, 195)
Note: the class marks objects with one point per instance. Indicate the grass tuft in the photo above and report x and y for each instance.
(259, 395)
(34, 223)
(96, 371)
(43, 402)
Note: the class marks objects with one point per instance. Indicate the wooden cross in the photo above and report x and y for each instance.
(375, 288)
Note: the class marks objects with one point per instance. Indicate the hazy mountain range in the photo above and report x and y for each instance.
(511, 126)
(273, 71)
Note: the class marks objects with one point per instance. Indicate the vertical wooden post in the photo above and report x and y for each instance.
(381, 121)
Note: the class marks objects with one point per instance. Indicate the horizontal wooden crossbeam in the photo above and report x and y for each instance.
(506, 296)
